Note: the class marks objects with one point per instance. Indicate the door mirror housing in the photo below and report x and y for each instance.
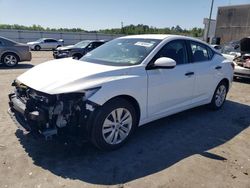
(164, 63)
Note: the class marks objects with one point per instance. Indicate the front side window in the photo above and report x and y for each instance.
(49, 40)
(122, 51)
(1, 43)
(175, 50)
(199, 52)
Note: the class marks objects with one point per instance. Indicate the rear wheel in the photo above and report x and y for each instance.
(219, 96)
(10, 60)
(114, 124)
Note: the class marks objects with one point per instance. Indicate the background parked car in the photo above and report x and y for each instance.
(12, 52)
(78, 50)
(45, 43)
(239, 53)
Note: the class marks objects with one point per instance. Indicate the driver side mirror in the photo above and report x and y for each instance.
(164, 63)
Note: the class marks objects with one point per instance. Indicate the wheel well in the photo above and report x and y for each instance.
(226, 81)
(37, 45)
(132, 101)
(18, 58)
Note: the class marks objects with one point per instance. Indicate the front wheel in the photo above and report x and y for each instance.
(114, 124)
(219, 96)
(76, 56)
(37, 48)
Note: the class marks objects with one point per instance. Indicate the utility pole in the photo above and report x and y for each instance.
(122, 27)
(209, 20)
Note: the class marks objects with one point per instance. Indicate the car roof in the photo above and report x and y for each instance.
(162, 37)
(48, 38)
(148, 36)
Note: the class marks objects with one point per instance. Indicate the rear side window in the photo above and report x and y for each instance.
(1, 43)
(175, 50)
(200, 52)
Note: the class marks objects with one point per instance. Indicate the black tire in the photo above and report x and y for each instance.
(58, 46)
(10, 59)
(97, 134)
(215, 105)
(37, 48)
(76, 56)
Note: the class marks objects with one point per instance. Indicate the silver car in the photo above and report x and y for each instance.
(45, 43)
(12, 52)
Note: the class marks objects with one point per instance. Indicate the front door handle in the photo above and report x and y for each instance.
(218, 67)
(189, 74)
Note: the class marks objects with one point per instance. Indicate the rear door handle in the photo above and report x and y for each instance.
(189, 74)
(218, 67)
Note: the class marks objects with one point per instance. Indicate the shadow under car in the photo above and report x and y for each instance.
(153, 147)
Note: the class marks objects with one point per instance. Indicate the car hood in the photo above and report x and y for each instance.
(69, 75)
(245, 45)
(65, 47)
(31, 43)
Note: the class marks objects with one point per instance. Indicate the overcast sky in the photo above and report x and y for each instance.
(100, 14)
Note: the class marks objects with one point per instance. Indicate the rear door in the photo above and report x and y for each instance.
(50, 43)
(171, 90)
(206, 69)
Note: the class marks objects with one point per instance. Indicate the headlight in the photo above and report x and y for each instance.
(85, 94)
(90, 92)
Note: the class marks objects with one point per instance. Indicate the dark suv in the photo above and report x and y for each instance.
(78, 50)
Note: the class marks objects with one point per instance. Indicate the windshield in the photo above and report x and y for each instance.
(82, 44)
(39, 40)
(122, 51)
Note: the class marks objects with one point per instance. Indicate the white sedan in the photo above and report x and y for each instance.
(125, 83)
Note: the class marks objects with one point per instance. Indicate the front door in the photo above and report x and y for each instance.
(171, 90)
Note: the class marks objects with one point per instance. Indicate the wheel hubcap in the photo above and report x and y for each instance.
(220, 95)
(117, 126)
(10, 60)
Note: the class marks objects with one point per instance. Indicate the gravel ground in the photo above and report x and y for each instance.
(195, 148)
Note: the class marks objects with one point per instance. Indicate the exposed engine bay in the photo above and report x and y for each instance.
(50, 114)
(243, 61)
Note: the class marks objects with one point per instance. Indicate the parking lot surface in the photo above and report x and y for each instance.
(195, 148)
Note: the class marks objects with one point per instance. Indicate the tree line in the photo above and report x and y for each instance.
(126, 30)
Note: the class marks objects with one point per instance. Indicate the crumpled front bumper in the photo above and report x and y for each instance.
(58, 55)
(39, 120)
(22, 118)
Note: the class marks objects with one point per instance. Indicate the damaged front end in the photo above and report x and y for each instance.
(49, 114)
